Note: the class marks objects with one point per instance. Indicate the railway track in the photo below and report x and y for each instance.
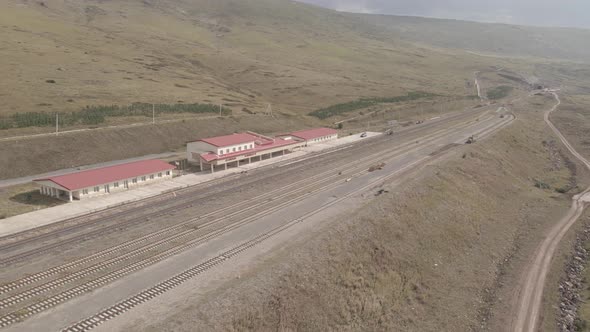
(77, 223)
(314, 186)
(58, 235)
(229, 212)
(177, 280)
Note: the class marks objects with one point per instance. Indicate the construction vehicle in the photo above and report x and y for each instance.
(470, 140)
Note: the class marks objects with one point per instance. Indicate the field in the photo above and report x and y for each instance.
(395, 263)
(206, 52)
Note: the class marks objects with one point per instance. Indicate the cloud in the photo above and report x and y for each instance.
(354, 8)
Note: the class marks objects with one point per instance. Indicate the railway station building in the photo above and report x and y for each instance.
(312, 136)
(231, 150)
(105, 180)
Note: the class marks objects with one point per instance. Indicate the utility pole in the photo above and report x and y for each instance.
(153, 114)
(56, 124)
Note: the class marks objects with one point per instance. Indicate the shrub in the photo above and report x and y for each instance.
(351, 106)
(499, 92)
(562, 190)
(580, 324)
(94, 115)
(541, 185)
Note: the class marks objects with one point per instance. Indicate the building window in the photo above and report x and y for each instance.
(234, 149)
(151, 177)
(239, 148)
(134, 180)
(116, 185)
(227, 151)
(96, 189)
(85, 192)
(251, 146)
(167, 172)
(220, 152)
(159, 175)
(143, 178)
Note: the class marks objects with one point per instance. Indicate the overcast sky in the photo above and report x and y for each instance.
(570, 13)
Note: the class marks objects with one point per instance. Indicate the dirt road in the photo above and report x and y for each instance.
(533, 281)
(478, 87)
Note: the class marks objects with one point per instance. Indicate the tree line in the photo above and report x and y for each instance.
(326, 112)
(96, 115)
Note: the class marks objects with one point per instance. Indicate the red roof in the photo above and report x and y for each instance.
(266, 145)
(101, 176)
(313, 133)
(228, 140)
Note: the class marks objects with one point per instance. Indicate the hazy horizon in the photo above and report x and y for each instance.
(548, 13)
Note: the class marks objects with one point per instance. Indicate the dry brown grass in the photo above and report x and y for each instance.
(243, 54)
(573, 120)
(21, 199)
(429, 256)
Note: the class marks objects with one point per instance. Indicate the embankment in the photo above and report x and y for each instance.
(39, 155)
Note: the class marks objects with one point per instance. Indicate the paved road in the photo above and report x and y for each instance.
(27, 179)
(533, 281)
(418, 155)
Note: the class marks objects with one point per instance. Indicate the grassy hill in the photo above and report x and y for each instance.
(498, 39)
(65, 55)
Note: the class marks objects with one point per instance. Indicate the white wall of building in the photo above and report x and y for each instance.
(50, 188)
(195, 149)
(235, 148)
(123, 185)
(322, 139)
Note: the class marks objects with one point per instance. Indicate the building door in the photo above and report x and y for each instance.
(126, 184)
(107, 188)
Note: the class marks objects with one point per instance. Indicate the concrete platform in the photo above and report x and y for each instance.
(77, 208)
